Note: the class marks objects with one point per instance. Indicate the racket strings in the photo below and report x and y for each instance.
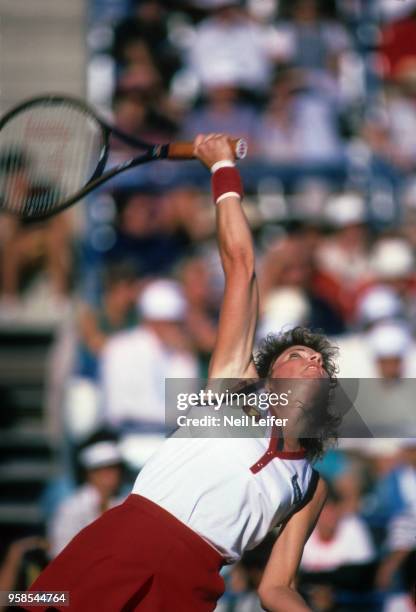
(48, 152)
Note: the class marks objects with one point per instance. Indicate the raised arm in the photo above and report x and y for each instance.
(232, 355)
(277, 588)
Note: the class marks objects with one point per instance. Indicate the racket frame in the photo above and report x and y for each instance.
(152, 151)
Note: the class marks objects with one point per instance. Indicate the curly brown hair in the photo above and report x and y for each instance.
(326, 420)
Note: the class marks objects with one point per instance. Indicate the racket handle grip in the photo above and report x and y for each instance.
(185, 150)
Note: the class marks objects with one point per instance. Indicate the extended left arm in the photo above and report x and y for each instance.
(277, 589)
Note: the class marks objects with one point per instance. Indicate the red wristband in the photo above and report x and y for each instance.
(226, 181)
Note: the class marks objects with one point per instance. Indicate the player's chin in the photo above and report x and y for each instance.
(314, 373)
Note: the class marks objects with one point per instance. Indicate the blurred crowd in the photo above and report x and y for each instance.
(325, 94)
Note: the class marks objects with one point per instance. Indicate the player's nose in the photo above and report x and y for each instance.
(316, 358)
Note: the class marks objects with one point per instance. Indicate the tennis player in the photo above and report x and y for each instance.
(199, 503)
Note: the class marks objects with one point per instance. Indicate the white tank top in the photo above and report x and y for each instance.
(231, 491)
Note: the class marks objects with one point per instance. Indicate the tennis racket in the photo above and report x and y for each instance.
(54, 150)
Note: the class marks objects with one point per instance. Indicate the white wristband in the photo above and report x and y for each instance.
(229, 194)
(224, 163)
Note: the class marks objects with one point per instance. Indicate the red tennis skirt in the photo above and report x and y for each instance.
(136, 556)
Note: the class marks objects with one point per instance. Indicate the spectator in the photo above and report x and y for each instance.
(145, 234)
(202, 311)
(142, 114)
(289, 264)
(157, 349)
(284, 133)
(396, 572)
(221, 110)
(101, 462)
(25, 558)
(339, 555)
(379, 303)
(394, 492)
(229, 38)
(390, 126)
(140, 78)
(393, 265)
(284, 308)
(378, 306)
(138, 67)
(343, 257)
(389, 343)
(408, 209)
(316, 44)
(244, 579)
(25, 244)
(398, 46)
(386, 402)
(392, 510)
(147, 24)
(114, 312)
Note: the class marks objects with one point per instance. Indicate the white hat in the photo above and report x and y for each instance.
(379, 303)
(345, 209)
(389, 339)
(284, 309)
(162, 300)
(100, 454)
(221, 74)
(392, 258)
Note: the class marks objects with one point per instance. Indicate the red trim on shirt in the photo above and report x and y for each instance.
(273, 453)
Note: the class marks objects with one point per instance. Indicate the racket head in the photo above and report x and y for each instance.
(51, 147)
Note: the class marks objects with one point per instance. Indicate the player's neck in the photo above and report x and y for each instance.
(291, 444)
